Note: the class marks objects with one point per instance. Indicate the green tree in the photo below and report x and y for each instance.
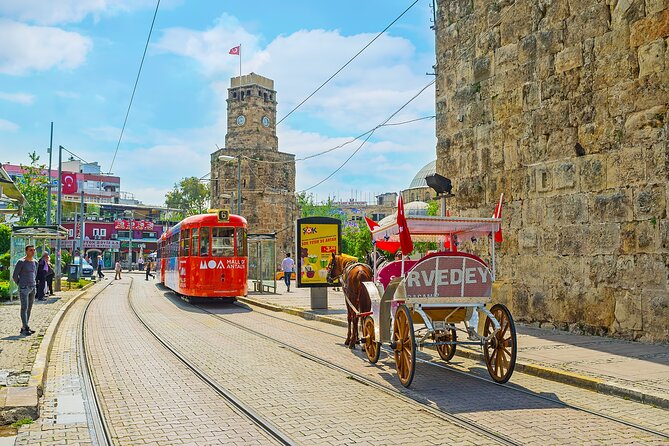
(188, 195)
(33, 185)
(308, 208)
(5, 237)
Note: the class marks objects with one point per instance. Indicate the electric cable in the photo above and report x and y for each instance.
(134, 89)
(347, 63)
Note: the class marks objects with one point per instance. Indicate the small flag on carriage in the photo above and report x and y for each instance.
(498, 214)
(371, 224)
(406, 245)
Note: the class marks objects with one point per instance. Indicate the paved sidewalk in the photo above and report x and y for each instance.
(616, 367)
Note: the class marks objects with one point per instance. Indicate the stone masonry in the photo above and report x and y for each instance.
(267, 175)
(562, 105)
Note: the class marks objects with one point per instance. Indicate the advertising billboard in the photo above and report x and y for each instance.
(317, 239)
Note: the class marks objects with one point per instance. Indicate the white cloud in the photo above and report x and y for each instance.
(8, 126)
(67, 11)
(19, 98)
(34, 48)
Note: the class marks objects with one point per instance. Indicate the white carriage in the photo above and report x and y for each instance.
(427, 302)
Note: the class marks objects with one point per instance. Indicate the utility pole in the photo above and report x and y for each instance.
(81, 228)
(59, 215)
(48, 195)
(132, 221)
(239, 180)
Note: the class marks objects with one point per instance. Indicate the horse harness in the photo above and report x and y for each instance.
(343, 281)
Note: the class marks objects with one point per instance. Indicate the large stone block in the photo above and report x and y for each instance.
(628, 312)
(639, 237)
(528, 241)
(653, 6)
(650, 202)
(593, 173)
(506, 57)
(568, 59)
(561, 143)
(650, 28)
(612, 206)
(566, 176)
(625, 168)
(601, 269)
(655, 315)
(533, 211)
(567, 209)
(657, 163)
(590, 20)
(518, 23)
(602, 238)
(646, 124)
(651, 57)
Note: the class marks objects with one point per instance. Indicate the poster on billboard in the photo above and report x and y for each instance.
(317, 239)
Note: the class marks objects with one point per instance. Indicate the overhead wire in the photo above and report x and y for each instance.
(347, 63)
(134, 88)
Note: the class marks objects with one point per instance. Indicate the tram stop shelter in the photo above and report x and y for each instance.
(262, 262)
(23, 236)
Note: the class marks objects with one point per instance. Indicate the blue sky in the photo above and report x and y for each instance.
(74, 62)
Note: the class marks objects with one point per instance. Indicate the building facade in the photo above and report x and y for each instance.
(562, 106)
(265, 175)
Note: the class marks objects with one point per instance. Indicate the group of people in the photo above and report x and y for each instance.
(148, 267)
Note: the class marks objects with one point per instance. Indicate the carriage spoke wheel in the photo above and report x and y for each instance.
(371, 346)
(405, 345)
(500, 350)
(446, 352)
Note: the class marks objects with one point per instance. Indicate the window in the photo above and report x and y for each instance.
(204, 242)
(241, 242)
(96, 232)
(184, 249)
(125, 234)
(194, 239)
(222, 240)
(70, 232)
(234, 95)
(148, 235)
(103, 232)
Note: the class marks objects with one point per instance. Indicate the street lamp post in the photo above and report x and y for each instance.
(239, 178)
(59, 215)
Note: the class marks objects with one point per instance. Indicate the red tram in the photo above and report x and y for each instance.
(204, 256)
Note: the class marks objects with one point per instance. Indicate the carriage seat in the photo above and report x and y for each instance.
(393, 269)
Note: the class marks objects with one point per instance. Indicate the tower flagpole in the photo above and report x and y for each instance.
(240, 63)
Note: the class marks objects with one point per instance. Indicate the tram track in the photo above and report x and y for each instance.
(244, 409)
(444, 366)
(101, 433)
(454, 419)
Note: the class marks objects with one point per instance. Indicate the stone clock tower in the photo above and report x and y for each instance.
(267, 176)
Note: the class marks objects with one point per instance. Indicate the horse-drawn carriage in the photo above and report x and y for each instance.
(426, 302)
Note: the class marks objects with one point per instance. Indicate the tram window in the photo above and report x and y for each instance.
(185, 243)
(204, 242)
(222, 240)
(241, 242)
(194, 241)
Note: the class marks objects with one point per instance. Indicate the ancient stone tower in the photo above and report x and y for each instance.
(267, 175)
(563, 106)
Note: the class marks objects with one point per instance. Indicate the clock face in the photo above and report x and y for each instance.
(265, 121)
(241, 120)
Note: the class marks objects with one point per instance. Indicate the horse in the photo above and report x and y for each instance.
(351, 274)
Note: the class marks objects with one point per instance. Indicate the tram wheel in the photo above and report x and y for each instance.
(446, 352)
(500, 351)
(404, 343)
(371, 346)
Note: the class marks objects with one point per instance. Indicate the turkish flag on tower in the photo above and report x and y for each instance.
(69, 183)
(406, 245)
(236, 50)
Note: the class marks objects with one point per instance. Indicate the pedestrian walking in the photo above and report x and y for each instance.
(117, 268)
(49, 277)
(148, 270)
(25, 276)
(140, 263)
(42, 270)
(287, 266)
(100, 274)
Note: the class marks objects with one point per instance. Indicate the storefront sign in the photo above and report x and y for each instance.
(99, 244)
(137, 225)
(317, 238)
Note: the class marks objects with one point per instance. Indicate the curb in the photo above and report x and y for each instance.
(549, 373)
(23, 402)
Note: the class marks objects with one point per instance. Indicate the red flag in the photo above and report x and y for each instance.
(69, 183)
(371, 224)
(236, 50)
(406, 244)
(498, 214)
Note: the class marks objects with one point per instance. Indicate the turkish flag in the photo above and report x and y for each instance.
(498, 214)
(69, 183)
(236, 50)
(406, 245)
(371, 224)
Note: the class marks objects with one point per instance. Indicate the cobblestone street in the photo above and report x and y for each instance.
(298, 377)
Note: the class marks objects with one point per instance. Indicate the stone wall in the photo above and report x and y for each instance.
(563, 106)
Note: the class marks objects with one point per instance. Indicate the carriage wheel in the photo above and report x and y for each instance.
(371, 346)
(500, 350)
(447, 351)
(405, 345)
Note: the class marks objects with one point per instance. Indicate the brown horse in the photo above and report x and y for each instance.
(351, 274)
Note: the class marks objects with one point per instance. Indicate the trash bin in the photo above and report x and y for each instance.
(73, 272)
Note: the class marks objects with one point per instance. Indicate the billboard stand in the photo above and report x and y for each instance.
(319, 298)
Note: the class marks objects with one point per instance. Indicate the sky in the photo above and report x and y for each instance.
(74, 62)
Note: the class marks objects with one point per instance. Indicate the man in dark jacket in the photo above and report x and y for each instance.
(42, 271)
(25, 273)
